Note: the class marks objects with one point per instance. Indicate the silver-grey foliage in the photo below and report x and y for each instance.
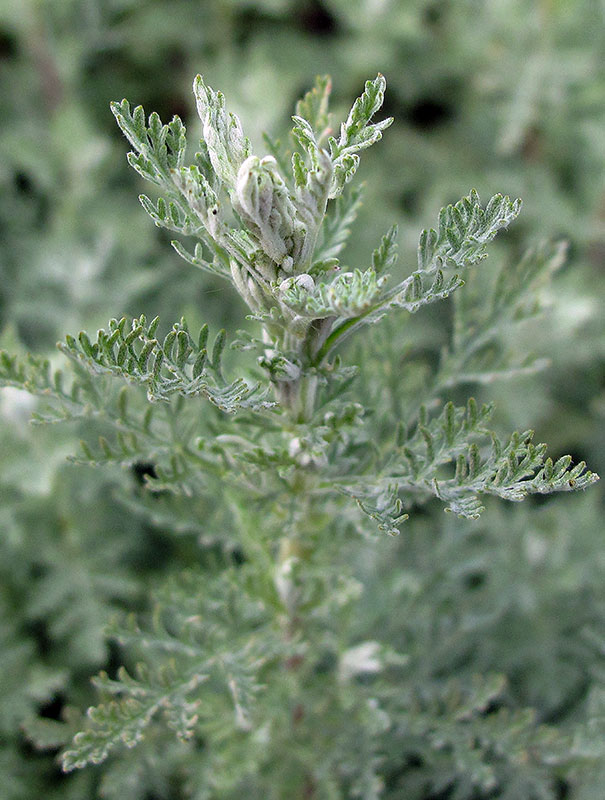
(286, 446)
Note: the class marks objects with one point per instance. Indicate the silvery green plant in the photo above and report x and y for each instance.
(253, 663)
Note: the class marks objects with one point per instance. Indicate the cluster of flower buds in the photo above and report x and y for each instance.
(263, 202)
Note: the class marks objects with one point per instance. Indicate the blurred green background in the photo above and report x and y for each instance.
(505, 95)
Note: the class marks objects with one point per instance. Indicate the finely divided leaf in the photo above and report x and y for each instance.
(227, 146)
(314, 105)
(357, 133)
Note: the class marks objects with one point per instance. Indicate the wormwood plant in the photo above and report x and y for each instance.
(251, 656)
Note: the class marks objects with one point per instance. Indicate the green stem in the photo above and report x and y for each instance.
(351, 325)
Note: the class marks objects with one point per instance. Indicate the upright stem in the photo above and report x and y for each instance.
(290, 585)
(298, 396)
(292, 558)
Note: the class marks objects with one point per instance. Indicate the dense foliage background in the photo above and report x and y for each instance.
(503, 96)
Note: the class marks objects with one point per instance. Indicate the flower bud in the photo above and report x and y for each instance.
(263, 202)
